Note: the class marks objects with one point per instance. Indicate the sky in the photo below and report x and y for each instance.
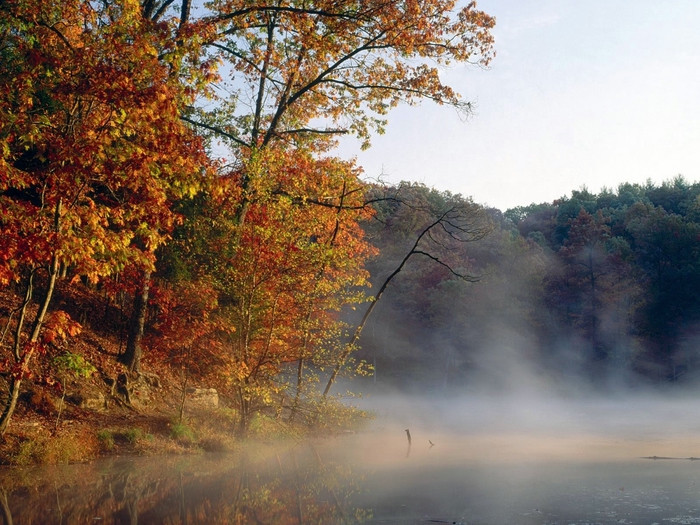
(581, 93)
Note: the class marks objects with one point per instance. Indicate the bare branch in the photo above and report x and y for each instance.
(337, 131)
(283, 9)
(284, 104)
(236, 54)
(216, 130)
(464, 277)
(60, 35)
(398, 88)
(445, 216)
(161, 10)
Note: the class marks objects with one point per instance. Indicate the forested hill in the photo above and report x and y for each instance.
(599, 287)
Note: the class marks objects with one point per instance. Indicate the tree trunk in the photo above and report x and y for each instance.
(302, 356)
(297, 394)
(10, 405)
(24, 359)
(133, 352)
(358, 331)
(183, 398)
(244, 413)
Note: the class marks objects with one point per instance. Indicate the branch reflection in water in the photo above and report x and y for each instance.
(292, 486)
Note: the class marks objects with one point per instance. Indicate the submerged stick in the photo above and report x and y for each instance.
(666, 457)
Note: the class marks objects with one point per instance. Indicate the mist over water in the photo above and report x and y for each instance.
(530, 406)
(534, 427)
(534, 458)
(518, 437)
(516, 416)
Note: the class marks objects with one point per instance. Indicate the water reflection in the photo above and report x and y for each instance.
(501, 465)
(296, 486)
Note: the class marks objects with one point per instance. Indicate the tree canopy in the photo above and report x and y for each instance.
(179, 159)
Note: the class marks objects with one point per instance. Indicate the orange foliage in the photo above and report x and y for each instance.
(92, 148)
(94, 157)
(187, 333)
(92, 144)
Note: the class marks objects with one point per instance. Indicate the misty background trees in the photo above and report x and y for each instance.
(597, 287)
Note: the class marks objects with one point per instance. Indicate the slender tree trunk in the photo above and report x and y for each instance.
(183, 398)
(10, 405)
(297, 394)
(302, 356)
(358, 331)
(243, 416)
(133, 352)
(23, 359)
(13, 392)
(28, 293)
(43, 309)
(297, 483)
(307, 335)
(351, 345)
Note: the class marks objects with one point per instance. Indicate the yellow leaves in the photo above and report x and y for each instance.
(296, 259)
(334, 71)
(120, 117)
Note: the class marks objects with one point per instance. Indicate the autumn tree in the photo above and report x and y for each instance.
(187, 333)
(302, 75)
(305, 73)
(92, 150)
(283, 275)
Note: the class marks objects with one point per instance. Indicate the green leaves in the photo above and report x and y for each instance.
(74, 364)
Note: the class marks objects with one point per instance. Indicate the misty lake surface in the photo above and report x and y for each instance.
(518, 461)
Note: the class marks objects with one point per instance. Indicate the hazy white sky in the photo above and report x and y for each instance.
(581, 92)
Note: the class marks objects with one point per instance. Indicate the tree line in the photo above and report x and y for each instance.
(600, 287)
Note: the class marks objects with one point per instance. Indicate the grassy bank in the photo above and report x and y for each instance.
(35, 439)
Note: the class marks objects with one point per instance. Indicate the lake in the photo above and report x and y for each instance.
(492, 461)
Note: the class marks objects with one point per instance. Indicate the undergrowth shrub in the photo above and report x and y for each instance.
(182, 432)
(263, 425)
(134, 435)
(331, 415)
(106, 439)
(73, 447)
